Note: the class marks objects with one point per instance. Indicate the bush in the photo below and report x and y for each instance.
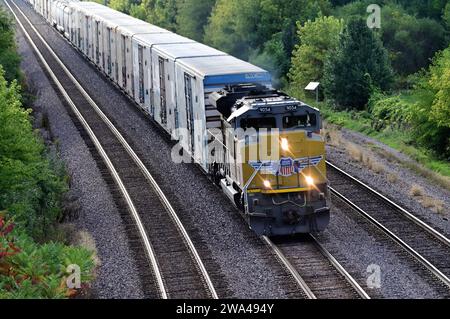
(31, 184)
(29, 270)
(31, 189)
(389, 111)
(430, 112)
(9, 58)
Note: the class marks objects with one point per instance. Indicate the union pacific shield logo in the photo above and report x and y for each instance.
(286, 166)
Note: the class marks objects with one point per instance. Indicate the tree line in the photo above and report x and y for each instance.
(328, 41)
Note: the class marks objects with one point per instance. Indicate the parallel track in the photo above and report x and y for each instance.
(176, 267)
(316, 271)
(426, 245)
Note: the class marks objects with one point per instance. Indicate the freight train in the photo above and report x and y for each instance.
(262, 147)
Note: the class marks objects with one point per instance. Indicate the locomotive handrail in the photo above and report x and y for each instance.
(248, 184)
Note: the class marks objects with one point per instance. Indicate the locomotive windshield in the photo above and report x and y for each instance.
(290, 121)
(259, 123)
(299, 121)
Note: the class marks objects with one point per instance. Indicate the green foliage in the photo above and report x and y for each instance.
(161, 13)
(389, 111)
(317, 39)
(138, 11)
(28, 270)
(411, 41)
(192, 17)
(232, 26)
(425, 8)
(430, 113)
(358, 66)
(31, 185)
(424, 111)
(261, 30)
(440, 85)
(120, 5)
(9, 59)
(446, 15)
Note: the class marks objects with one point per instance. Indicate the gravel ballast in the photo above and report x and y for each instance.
(361, 249)
(116, 276)
(247, 268)
(398, 190)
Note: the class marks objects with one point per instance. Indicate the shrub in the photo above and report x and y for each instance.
(29, 270)
(430, 111)
(31, 184)
(388, 111)
(9, 58)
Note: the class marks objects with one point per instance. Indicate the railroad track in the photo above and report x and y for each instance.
(425, 244)
(315, 270)
(176, 268)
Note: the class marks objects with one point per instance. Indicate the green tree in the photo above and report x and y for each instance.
(317, 39)
(138, 11)
(31, 186)
(262, 31)
(446, 15)
(425, 8)
(412, 42)
(192, 17)
(440, 85)
(233, 25)
(120, 5)
(276, 37)
(161, 13)
(358, 66)
(9, 58)
(430, 112)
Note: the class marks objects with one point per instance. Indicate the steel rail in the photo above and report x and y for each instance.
(405, 213)
(291, 269)
(361, 292)
(148, 247)
(433, 269)
(134, 156)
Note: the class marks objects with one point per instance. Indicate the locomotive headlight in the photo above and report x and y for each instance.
(309, 180)
(267, 184)
(284, 144)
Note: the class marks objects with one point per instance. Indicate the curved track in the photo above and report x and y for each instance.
(176, 268)
(426, 245)
(316, 271)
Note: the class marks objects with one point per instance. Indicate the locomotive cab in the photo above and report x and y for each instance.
(276, 169)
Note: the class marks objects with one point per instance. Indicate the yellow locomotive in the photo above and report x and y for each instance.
(272, 160)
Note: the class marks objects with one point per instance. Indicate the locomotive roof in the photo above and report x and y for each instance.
(254, 103)
(151, 39)
(184, 50)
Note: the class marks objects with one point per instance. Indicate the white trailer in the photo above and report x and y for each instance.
(124, 36)
(142, 65)
(163, 61)
(81, 17)
(110, 44)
